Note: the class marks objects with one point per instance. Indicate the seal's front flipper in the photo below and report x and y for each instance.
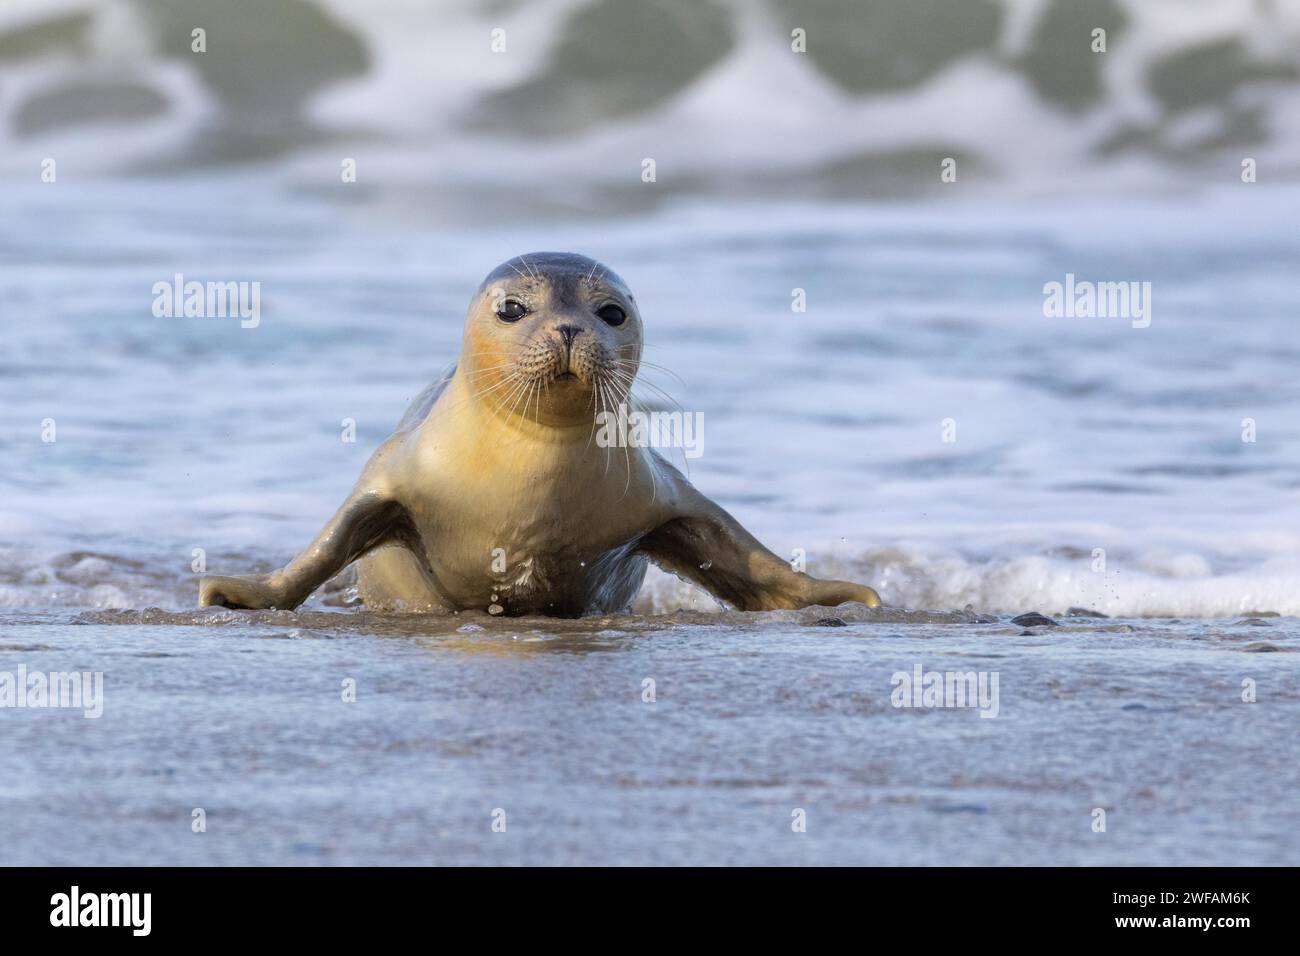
(245, 592)
(708, 546)
(366, 521)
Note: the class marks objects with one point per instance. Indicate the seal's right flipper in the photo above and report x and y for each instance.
(244, 592)
(363, 523)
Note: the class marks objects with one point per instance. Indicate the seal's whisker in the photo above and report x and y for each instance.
(502, 388)
(644, 363)
(623, 385)
(643, 405)
(630, 384)
(609, 398)
(627, 461)
(623, 388)
(599, 404)
(525, 398)
(464, 399)
(660, 368)
(515, 395)
(492, 388)
(600, 384)
(616, 399)
(653, 403)
(511, 362)
(498, 403)
(492, 385)
(627, 454)
(591, 434)
(491, 368)
(516, 392)
(630, 369)
(534, 394)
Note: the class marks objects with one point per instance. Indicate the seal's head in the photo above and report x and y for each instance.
(552, 336)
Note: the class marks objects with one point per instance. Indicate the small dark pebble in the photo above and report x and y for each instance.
(1261, 647)
(1084, 612)
(830, 622)
(1135, 707)
(1033, 619)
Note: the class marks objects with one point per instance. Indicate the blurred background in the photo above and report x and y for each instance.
(775, 171)
(580, 91)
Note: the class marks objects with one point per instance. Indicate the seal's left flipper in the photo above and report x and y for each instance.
(708, 546)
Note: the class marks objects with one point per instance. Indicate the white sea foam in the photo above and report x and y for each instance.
(757, 117)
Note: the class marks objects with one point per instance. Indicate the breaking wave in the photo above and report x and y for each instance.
(1159, 584)
(712, 90)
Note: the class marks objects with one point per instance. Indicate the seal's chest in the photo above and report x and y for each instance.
(543, 541)
(544, 561)
(524, 579)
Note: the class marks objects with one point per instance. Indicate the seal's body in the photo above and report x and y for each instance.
(493, 494)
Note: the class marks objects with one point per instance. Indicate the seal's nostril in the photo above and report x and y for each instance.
(567, 332)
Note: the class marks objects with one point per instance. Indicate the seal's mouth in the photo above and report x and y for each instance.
(566, 377)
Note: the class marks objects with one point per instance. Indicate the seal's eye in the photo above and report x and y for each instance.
(612, 314)
(511, 310)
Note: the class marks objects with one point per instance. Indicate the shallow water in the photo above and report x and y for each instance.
(822, 433)
(754, 717)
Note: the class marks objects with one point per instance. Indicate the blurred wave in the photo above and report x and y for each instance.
(584, 90)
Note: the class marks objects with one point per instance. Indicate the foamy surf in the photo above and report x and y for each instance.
(997, 88)
(1158, 585)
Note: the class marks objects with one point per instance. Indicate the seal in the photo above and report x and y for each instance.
(492, 494)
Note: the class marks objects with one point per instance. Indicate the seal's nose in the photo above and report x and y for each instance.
(567, 332)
